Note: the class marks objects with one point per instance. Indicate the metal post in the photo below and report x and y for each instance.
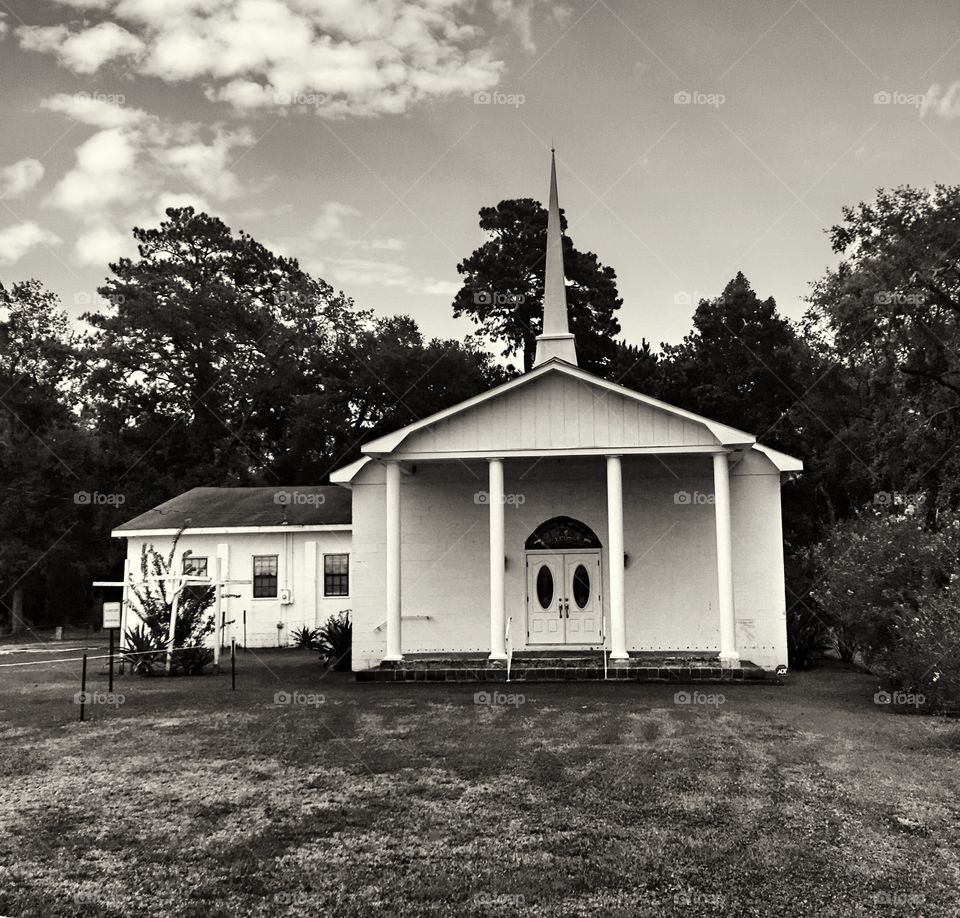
(233, 664)
(83, 687)
(217, 618)
(110, 663)
(244, 629)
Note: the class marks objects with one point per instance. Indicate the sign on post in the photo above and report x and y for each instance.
(111, 614)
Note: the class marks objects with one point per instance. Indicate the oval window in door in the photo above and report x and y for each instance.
(581, 586)
(544, 587)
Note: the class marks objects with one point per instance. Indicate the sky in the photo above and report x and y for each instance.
(363, 136)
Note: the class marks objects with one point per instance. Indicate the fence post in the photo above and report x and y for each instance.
(83, 687)
(217, 618)
(110, 663)
(233, 664)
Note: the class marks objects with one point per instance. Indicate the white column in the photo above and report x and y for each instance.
(393, 562)
(721, 496)
(498, 649)
(618, 613)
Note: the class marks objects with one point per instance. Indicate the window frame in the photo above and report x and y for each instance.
(192, 558)
(344, 574)
(275, 575)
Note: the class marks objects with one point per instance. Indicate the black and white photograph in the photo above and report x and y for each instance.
(479, 458)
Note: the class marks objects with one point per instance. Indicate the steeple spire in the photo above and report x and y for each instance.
(556, 340)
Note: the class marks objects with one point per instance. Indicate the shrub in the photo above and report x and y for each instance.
(335, 641)
(306, 637)
(154, 596)
(887, 585)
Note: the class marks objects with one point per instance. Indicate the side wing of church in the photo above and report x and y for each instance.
(561, 512)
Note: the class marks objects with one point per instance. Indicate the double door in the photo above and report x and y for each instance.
(564, 598)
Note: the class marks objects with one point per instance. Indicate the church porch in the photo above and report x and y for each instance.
(704, 667)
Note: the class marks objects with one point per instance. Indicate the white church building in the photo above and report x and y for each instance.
(558, 514)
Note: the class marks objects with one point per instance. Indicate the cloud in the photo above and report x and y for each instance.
(20, 177)
(100, 111)
(17, 240)
(133, 167)
(4, 28)
(105, 173)
(369, 272)
(944, 103)
(337, 57)
(85, 51)
(441, 288)
(329, 222)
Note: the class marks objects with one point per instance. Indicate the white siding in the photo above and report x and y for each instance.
(297, 571)
(558, 412)
(671, 578)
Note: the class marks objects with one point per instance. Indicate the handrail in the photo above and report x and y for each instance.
(508, 644)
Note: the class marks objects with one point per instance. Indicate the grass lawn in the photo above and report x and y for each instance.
(192, 800)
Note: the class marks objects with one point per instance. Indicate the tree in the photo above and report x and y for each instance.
(503, 287)
(44, 461)
(209, 345)
(890, 313)
(386, 376)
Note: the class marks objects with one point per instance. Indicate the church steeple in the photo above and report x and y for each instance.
(556, 340)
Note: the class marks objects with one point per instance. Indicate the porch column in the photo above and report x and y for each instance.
(498, 648)
(618, 614)
(393, 562)
(721, 496)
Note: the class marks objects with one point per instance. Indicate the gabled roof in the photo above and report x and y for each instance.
(246, 508)
(721, 432)
(630, 410)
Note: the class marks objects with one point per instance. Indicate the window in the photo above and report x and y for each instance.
(264, 576)
(336, 575)
(194, 566)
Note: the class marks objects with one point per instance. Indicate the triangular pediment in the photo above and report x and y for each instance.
(556, 407)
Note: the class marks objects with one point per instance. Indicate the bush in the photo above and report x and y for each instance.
(306, 637)
(155, 599)
(887, 585)
(335, 642)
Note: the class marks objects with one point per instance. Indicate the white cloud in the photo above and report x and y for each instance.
(85, 51)
(338, 57)
(105, 173)
(329, 222)
(17, 240)
(441, 288)
(20, 177)
(100, 244)
(100, 111)
(133, 167)
(206, 166)
(944, 103)
(4, 28)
